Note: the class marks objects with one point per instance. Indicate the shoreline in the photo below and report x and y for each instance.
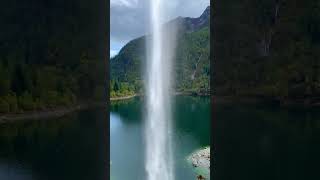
(62, 111)
(285, 102)
(43, 114)
(176, 93)
(123, 97)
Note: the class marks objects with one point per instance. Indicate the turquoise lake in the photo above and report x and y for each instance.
(191, 123)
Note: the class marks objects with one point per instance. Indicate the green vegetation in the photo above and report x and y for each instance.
(120, 89)
(193, 62)
(191, 65)
(126, 69)
(50, 54)
(267, 48)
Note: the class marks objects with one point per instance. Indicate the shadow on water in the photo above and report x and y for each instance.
(131, 110)
(265, 142)
(192, 115)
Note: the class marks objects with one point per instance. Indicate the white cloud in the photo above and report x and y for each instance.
(129, 18)
(126, 3)
(113, 52)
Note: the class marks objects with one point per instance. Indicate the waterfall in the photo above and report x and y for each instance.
(158, 125)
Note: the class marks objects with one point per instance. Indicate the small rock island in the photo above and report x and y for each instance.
(200, 160)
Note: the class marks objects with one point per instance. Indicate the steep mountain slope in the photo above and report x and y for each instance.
(267, 48)
(191, 65)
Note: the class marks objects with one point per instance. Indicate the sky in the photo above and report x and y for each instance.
(129, 18)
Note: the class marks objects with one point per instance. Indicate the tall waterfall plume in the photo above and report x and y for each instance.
(158, 130)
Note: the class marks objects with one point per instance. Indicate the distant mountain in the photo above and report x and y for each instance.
(194, 24)
(191, 63)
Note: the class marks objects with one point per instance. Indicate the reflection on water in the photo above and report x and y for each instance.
(115, 123)
(68, 148)
(14, 171)
(265, 142)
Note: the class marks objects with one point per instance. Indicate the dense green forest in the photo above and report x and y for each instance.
(51, 54)
(191, 65)
(267, 48)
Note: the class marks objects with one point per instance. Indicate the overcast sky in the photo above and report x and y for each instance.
(128, 18)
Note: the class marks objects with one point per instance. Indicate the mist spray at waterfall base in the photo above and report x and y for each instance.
(158, 126)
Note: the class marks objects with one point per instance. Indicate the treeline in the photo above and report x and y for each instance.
(267, 48)
(121, 89)
(126, 69)
(31, 87)
(51, 54)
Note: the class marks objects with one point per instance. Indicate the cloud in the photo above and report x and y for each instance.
(124, 3)
(113, 52)
(129, 18)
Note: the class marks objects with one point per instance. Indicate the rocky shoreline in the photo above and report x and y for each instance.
(200, 160)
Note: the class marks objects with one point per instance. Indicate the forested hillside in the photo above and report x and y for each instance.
(191, 65)
(267, 48)
(51, 54)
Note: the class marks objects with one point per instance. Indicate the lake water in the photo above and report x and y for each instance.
(191, 123)
(73, 147)
(251, 142)
(266, 142)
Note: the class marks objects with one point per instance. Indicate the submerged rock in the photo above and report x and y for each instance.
(200, 160)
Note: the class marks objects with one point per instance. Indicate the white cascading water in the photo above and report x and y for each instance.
(158, 129)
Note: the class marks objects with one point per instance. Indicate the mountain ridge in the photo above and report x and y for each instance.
(192, 24)
(192, 59)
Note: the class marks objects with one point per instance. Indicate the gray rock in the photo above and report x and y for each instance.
(200, 160)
